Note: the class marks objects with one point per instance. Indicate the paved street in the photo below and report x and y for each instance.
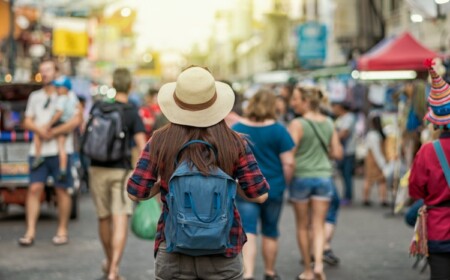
(370, 247)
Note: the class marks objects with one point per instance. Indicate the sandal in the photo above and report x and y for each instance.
(301, 276)
(26, 241)
(320, 276)
(60, 240)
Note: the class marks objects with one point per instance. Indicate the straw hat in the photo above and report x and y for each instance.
(196, 99)
(439, 99)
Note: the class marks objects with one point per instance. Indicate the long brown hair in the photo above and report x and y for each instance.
(167, 141)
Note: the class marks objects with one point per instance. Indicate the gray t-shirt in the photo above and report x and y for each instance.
(348, 122)
(41, 115)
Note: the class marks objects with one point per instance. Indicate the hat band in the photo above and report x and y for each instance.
(195, 107)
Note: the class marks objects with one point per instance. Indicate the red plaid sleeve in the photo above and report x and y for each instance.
(249, 175)
(144, 174)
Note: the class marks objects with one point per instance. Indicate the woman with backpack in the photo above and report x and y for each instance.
(311, 188)
(199, 234)
(430, 181)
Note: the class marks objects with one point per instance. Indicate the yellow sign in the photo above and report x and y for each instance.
(70, 37)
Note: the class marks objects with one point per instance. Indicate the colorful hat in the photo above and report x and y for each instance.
(439, 99)
(63, 81)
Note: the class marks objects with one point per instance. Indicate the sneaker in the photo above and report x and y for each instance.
(330, 258)
(385, 204)
(272, 277)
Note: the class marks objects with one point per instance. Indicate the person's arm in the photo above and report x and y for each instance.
(336, 150)
(143, 183)
(140, 140)
(28, 122)
(288, 162)
(296, 131)
(252, 184)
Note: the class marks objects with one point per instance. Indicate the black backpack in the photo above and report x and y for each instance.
(106, 135)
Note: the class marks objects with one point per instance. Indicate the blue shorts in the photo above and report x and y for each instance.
(268, 212)
(50, 167)
(303, 189)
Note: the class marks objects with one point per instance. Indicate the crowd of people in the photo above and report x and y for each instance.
(283, 145)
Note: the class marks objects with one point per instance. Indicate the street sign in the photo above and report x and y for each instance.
(312, 45)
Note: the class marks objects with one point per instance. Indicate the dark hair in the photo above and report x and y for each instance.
(55, 65)
(167, 141)
(377, 125)
(152, 92)
(122, 80)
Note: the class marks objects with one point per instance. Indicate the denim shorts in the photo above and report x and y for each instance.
(303, 189)
(268, 212)
(50, 167)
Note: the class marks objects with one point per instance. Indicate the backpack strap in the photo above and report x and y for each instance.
(194, 142)
(442, 160)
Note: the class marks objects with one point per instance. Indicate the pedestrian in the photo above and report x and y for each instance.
(196, 106)
(345, 125)
(272, 146)
(150, 111)
(311, 188)
(376, 166)
(40, 109)
(108, 178)
(66, 104)
(429, 180)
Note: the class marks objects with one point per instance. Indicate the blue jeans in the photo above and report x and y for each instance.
(303, 189)
(346, 167)
(333, 210)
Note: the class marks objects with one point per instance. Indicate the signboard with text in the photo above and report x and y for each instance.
(312, 45)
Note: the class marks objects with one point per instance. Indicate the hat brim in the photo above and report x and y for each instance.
(437, 120)
(202, 118)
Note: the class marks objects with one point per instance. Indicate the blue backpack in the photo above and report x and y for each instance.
(200, 209)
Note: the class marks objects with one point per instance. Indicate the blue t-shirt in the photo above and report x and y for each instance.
(267, 143)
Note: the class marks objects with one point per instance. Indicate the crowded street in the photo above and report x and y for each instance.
(224, 140)
(370, 243)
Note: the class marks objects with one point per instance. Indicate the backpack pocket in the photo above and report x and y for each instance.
(197, 235)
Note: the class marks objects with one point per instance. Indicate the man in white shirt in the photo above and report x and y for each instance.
(39, 111)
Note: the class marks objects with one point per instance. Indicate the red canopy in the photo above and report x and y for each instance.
(400, 53)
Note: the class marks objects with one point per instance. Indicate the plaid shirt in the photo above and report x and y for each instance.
(246, 172)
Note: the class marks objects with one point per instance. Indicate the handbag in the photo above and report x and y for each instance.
(419, 242)
(144, 221)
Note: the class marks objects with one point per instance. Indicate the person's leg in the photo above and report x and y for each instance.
(104, 232)
(439, 266)
(319, 211)
(366, 191)
(64, 208)
(119, 233)
(250, 213)
(347, 170)
(270, 216)
(62, 153)
(32, 209)
(382, 190)
(330, 226)
(301, 211)
(249, 255)
(38, 160)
